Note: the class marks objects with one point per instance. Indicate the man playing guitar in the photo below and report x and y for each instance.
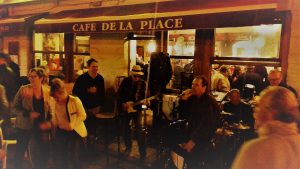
(132, 89)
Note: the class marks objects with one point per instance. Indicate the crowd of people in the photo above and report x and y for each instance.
(48, 118)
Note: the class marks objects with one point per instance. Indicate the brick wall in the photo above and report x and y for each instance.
(293, 77)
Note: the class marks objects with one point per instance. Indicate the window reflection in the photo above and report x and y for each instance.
(181, 42)
(250, 42)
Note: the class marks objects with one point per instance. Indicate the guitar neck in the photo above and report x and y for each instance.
(142, 101)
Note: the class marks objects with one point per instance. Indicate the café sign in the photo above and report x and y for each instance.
(142, 25)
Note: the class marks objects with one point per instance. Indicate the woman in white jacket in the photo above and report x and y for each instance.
(68, 118)
(278, 146)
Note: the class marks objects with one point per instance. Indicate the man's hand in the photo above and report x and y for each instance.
(125, 106)
(92, 89)
(188, 146)
(34, 115)
(45, 126)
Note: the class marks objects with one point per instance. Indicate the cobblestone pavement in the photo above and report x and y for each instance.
(99, 159)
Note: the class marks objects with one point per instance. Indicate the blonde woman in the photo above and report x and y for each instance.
(68, 118)
(276, 117)
(31, 105)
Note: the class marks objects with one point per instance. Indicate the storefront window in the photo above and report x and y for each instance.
(82, 44)
(49, 52)
(248, 42)
(81, 54)
(53, 62)
(49, 42)
(181, 42)
(182, 73)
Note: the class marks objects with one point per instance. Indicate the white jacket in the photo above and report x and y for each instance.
(76, 114)
(278, 147)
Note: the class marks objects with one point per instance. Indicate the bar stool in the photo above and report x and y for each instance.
(105, 119)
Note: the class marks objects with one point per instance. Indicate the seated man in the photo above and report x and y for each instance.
(275, 79)
(242, 111)
(202, 111)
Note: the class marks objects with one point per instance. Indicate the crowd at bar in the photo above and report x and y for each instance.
(244, 117)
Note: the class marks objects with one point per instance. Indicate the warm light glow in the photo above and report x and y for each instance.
(151, 47)
(14, 1)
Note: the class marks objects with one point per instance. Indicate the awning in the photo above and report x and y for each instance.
(160, 16)
(18, 24)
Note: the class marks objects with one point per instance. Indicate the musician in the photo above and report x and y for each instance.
(132, 89)
(202, 112)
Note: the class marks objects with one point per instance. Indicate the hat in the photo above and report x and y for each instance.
(136, 70)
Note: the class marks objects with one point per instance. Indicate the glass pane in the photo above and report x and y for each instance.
(52, 62)
(181, 42)
(49, 42)
(80, 64)
(82, 44)
(249, 42)
(181, 67)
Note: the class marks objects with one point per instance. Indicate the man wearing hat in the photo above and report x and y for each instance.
(132, 89)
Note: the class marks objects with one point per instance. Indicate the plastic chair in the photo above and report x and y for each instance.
(4, 144)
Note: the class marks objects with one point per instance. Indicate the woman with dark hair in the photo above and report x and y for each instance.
(31, 105)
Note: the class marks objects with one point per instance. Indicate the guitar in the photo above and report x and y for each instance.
(131, 104)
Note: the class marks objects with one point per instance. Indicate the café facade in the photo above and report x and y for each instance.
(205, 32)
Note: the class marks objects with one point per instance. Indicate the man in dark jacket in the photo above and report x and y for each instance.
(89, 87)
(132, 89)
(275, 79)
(202, 112)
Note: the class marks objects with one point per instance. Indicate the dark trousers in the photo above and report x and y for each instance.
(38, 148)
(137, 130)
(67, 145)
(23, 137)
(201, 156)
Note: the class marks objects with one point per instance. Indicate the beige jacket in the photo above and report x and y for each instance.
(76, 114)
(278, 147)
(22, 106)
(3, 101)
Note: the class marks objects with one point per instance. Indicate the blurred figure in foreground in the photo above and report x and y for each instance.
(277, 147)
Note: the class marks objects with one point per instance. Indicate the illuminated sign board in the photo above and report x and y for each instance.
(5, 2)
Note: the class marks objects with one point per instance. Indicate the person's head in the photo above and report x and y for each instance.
(37, 76)
(58, 90)
(237, 71)
(276, 103)
(224, 70)
(199, 85)
(235, 97)
(275, 77)
(261, 71)
(92, 65)
(136, 72)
